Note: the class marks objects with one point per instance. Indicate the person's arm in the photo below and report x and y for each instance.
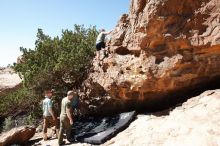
(51, 110)
(69, 113)
(42, 105)
(108, 32)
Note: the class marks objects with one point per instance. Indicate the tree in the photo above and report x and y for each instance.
(59, 62)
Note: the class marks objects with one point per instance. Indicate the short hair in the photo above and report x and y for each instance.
(47, 91)
(71, 92)
(102, 30)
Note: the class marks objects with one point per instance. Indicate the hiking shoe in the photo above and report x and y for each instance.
(71, 140)
(62, 143)
(45, 138)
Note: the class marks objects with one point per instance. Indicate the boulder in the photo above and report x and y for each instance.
(9, 80)
(19, 135)
(193, 123)
(161, 52)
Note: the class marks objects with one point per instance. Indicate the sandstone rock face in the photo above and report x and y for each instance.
(160, 50)
(195, 123)
(19, 135)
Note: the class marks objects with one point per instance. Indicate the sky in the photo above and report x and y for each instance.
(20, 20)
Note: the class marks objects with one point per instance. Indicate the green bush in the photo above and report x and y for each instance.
(17, 100)
(21, 106)
(29, 120)
(60, 62)
(8, 124)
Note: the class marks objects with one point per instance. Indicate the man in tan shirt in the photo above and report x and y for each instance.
(66, 120)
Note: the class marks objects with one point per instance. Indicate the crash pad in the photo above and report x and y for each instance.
(99, 130)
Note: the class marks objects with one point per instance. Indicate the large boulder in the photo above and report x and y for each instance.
(19, 135)
(9, 80)
(160, 52)
(194, 123)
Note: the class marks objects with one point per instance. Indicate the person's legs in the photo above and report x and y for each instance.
(68, 129)
(45, 125)
(98, 55)
(103, 47)
(106, 51)
(98, 48)
(55, 129)
(60, 136)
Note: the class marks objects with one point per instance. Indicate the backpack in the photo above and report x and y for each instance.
(75, 103)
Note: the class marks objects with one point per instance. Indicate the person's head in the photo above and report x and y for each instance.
(71, 94)
(102, 30)
(48, 93)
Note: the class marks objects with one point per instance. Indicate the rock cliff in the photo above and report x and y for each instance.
(194, 123)
(8, 80)
(161, 52)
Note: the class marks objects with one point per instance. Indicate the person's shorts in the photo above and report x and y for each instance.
(48, 121)
(100, 45)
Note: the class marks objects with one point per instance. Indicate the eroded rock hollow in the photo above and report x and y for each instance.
(161, 51)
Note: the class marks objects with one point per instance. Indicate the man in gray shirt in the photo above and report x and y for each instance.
(48, 114)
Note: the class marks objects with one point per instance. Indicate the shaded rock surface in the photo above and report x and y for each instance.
(193, 123)
(161, 52)
(19, 135)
